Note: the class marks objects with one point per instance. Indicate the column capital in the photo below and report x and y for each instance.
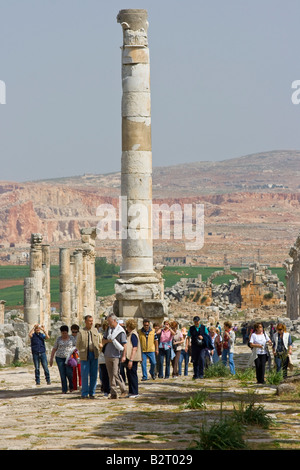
(133, 19)
(135, 26)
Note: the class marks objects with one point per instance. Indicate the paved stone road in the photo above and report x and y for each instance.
(34, 418)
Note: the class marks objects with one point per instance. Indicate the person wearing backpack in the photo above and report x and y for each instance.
(228, 346)
(199, 340)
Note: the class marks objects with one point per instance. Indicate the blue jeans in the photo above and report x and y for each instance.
(66, 374)
(37, 359)
(152, 360)
(225, 354)
(281, 364)
(164, 353)
(215, 356)
(184, 356)
(89, 372)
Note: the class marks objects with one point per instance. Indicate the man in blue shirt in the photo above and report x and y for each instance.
(38, 349)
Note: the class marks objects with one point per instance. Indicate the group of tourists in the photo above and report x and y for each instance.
(112, 351)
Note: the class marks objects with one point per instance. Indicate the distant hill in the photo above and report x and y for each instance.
(251, 205)
(277, 170)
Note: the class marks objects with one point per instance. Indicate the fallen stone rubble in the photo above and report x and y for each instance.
(227, 297)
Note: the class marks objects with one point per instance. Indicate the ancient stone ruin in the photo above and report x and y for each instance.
(77, 280)
(292, 266)
(37, 285)
(251, 288)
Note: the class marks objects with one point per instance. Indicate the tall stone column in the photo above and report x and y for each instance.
(88, 238)
(37, 285)
(31, 301)
(46, 287)
(136, 166)
(64, 285)
(36, 270)
(138, 291)
(78, 272)
(73, 300)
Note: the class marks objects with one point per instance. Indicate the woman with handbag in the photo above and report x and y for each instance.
(62, 350)
(259, 342)
(165, 349)
(217, 344)
(177, 343)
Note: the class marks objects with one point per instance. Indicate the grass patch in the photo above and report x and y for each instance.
(226, 434)
(196, 401)
(245, 375)
(217, 370)
(252, 414)
(273, 377)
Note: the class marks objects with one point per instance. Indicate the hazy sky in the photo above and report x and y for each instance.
(221, 75)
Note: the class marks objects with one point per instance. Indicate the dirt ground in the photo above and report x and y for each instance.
(42, 418)
(4, 283)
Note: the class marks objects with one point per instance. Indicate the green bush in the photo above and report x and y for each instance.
(252, 414)
(245, 375)
(217, 370)
(273, 377)
(226, 434)
(269, 295)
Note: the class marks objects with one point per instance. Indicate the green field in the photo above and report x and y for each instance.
(105, 283)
